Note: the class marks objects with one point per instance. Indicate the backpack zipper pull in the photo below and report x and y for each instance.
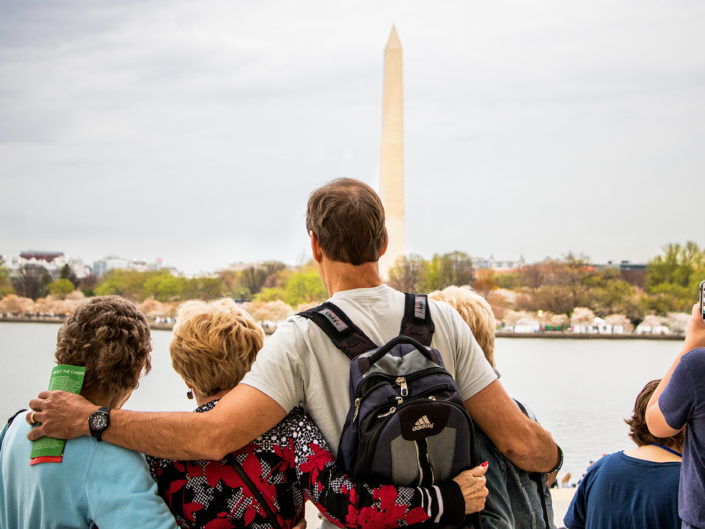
(357, 408)
(401, 381)
(391, 410)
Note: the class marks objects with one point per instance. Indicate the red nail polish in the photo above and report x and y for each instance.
(484, 464)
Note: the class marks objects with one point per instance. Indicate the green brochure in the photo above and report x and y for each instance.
(66, 378)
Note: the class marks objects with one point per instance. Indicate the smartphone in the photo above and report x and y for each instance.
(702, 304)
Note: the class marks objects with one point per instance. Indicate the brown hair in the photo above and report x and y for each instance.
(347, 218)
(214, 344)
(110, 337)
(476, 312)
(638, 430)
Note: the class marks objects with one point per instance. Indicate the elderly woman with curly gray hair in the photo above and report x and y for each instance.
(97, 484)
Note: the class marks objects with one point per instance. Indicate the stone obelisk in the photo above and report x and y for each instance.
(391, 182)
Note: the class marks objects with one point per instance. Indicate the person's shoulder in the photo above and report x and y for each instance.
(446, 317)
(289, 334)
(695, 358)
(606, 460)
(109, 454)
(448, 322)
(14, 436)
(440, 308)
(17, 423)
(295, 420)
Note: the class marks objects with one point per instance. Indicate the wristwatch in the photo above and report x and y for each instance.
(99, 421)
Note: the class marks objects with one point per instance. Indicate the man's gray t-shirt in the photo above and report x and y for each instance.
(299, 363)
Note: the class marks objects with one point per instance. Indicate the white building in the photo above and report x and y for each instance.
(52, 262)
(113, 262)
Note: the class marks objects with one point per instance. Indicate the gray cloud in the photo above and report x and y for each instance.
(195, 133)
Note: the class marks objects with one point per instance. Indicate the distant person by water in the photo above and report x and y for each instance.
(517, 499)
(97, 484)
(679, 401)
(633, 489)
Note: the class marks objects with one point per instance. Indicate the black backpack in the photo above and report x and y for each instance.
(407, 422)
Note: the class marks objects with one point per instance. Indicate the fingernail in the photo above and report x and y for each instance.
(484, 464)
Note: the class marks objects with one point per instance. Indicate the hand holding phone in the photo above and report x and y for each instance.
(695, 331)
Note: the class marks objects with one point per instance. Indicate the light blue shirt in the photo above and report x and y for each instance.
(96, 484)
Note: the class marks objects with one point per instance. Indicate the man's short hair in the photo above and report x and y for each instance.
(214, 344)
(110, 337)
(476, 312)
(347, 218)
(639, 431)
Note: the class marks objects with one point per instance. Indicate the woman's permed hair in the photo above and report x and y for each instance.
(110, 337)
(638, 430)
(476, 312)
(214, 344)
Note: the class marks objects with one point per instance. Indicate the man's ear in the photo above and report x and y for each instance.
(315, 248)
(383, 250)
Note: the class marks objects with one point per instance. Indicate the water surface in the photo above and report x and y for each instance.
(581, 390)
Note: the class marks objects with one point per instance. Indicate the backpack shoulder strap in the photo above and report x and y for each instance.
(417, 322)
(344, 334)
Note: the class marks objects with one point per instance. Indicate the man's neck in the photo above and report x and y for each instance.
(338, 276)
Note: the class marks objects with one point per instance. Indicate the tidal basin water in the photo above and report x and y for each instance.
(581, 390)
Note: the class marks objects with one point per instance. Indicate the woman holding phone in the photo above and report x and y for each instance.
(679, 400)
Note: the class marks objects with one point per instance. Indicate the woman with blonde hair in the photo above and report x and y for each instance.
(517, 499)
(266, 482)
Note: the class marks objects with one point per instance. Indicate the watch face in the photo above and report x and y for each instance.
(99, 422)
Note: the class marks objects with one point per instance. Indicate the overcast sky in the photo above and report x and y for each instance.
(194, 131)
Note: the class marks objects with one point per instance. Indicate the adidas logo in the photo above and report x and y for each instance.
(422, 423)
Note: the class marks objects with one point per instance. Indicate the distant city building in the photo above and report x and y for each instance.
(623, 266)
(53, 262)
(113, 262)
(41, 256)
(244, 265)
(490, 263)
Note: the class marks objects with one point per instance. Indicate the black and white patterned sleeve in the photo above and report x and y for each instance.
(347, 503)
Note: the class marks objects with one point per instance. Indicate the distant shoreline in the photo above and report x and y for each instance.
(59, 319)
(500, 334)
(590, 336)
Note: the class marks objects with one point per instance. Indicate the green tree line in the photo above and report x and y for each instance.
(669, 283)
(267, 281)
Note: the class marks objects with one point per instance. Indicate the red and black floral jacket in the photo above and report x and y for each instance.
(290, 464)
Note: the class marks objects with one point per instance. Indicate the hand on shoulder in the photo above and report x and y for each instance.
(59, 414)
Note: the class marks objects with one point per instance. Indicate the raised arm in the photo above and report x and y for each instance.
(694, 338)
(241, 415)
(523, 441)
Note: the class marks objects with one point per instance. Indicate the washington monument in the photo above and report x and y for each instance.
(391, 182)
